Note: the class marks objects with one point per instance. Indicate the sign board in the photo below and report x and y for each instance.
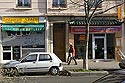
(99, 29)
(10, 20)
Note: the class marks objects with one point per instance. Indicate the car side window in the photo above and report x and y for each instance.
(30, 58)
(44, 57)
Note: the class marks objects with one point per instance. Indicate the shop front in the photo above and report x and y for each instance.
(102, 38)
(21, 35)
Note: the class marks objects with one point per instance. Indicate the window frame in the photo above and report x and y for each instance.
(23, 6)
(58, 5)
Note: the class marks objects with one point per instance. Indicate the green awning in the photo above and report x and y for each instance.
(23, 27)
(96, 22)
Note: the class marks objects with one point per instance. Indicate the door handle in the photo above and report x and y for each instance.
(102, 48)
(34, 61)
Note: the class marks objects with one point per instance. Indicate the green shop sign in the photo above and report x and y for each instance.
(23, 27)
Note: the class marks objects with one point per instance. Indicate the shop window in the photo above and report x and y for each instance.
(79, 40)
(24, 3)
(6, 55)
(13, 33)
(110, 46)
(16, 52)
(25, 33)
(9, 33)
(59, 4)
(6, 48)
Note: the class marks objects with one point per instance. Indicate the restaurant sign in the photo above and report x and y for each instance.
(10, 20)
(103, 29)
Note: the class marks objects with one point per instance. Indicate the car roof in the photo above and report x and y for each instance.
(39, 53)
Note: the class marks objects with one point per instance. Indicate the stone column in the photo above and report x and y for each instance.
(46, 35)
(67, 39)
(51, 37)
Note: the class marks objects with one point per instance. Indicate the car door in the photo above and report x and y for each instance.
(28, 64)
(44, 63)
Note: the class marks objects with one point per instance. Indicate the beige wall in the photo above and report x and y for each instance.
(72, 9)
(8, 7)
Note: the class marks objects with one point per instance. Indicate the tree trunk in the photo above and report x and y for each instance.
(85, 58)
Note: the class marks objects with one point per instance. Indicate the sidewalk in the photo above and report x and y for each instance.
(103, 67)
(99, 65)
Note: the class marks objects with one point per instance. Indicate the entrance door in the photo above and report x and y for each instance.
(59, 40)
(99, 48)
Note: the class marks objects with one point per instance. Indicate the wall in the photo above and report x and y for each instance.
(75, 10)
(8, 7)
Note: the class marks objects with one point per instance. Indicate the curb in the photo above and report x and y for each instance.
(92, 73)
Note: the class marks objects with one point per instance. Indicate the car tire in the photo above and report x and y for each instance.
(54, 71)
(122, 65)
(13, 72)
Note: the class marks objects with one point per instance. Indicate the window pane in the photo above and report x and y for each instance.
(9, 33)
(6, 47)
(26, 2)
(62, 3)
(44, 57)
(55, 3)
(7, 56)
(31, 58)
(20, 3)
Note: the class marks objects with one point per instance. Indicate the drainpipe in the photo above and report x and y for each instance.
(0, 45)
(123, 38)
(51, 37)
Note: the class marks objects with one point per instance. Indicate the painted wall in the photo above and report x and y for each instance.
(72, 9)
(8, 7)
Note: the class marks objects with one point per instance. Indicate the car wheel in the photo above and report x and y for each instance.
(54, 71)
(3, 71)
(13, 72)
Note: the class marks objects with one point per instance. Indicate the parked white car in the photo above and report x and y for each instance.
(35, 62)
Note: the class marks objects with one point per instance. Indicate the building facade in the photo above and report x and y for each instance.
(50, 25)
(23, 28)
(66, 24)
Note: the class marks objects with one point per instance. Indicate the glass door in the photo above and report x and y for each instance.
(99, 47)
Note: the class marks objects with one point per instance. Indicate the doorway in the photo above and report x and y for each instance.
(59, 40)
(99, 47)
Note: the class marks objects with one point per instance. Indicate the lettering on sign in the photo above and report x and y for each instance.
(19, 20)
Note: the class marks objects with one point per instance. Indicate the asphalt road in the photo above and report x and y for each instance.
(50, 79)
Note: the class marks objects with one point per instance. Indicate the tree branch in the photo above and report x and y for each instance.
(108, 9)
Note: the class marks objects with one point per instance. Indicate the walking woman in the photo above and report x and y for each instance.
(72, 54)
